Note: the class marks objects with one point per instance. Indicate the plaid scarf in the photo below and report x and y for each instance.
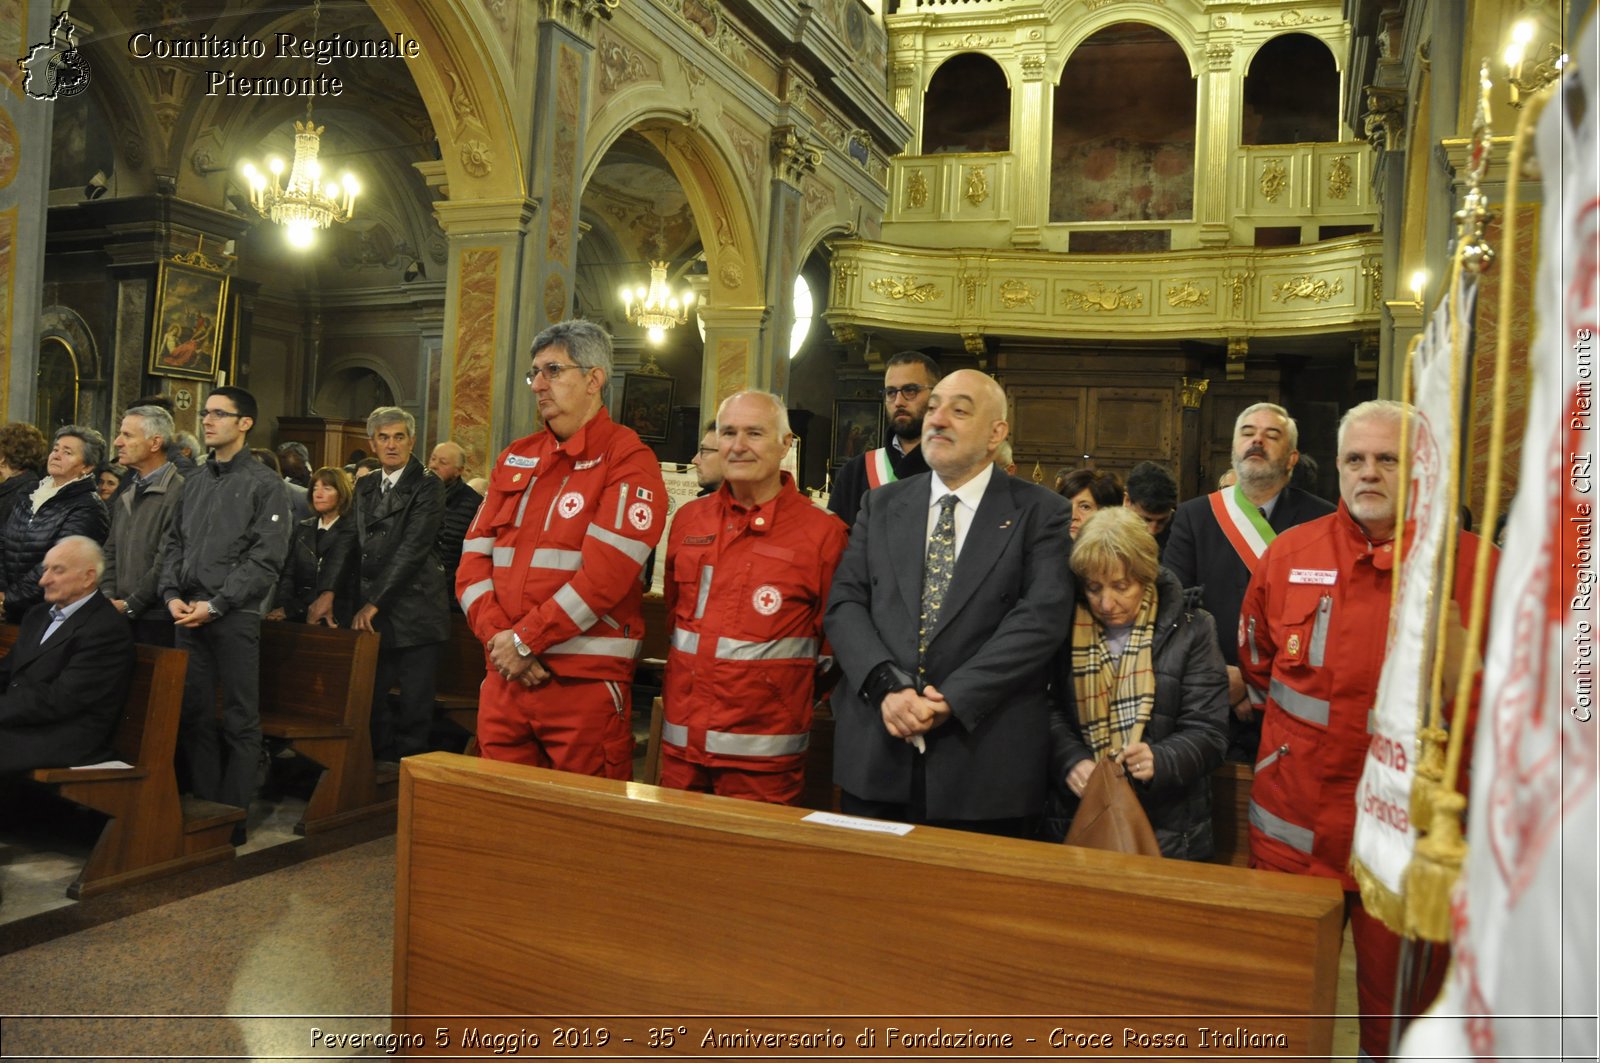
(1114, 696)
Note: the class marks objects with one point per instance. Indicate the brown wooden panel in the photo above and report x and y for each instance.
(519, 892)
(1048, 422)
(1131, 423)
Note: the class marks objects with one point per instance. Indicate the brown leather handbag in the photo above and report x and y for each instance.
(1109, 815)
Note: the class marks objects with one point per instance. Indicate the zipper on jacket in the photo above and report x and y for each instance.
(555, 500)
(1319, 632)
(1266, 762)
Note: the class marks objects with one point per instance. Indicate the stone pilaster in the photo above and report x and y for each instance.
(1219, 131)
(792, 159)
(1031, 110)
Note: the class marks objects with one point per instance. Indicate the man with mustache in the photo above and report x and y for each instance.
(1217, 540)
(908, 382)
(946, 639)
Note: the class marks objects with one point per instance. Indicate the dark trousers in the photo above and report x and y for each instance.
(400, 727)
(155, 628)
(915, 810)
(223, 754)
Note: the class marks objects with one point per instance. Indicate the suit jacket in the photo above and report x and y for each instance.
(60, 702)
(1007, 612)
(461, 504)
(396, 544)
(1200, 555)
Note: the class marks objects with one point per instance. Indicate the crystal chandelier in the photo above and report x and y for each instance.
(657, 308)
(305, 204)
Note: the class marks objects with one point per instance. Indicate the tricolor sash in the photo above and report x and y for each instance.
(1243, 523)
(879, 470)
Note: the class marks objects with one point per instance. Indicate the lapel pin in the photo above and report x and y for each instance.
(516, 478)
(1004, 525)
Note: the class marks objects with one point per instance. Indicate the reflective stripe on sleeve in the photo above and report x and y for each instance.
(705, 591)
(482, 545)
(622, 505)
(776, 650)
(1279, 829)
(685, 641)
(1300, 706)
(577, 610)
(503, 556)
(1258, 697)
(632, 547)
(474, 592)
(675, 734)
(596, 646)
(565, 560)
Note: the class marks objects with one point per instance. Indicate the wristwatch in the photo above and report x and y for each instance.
(522, 649)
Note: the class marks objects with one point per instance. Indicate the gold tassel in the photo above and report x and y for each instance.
(1432, 873)
(1430, 771)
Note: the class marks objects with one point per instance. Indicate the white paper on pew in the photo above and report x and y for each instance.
(833, 819)
(102, 764)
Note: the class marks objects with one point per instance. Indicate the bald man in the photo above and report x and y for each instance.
(448, 462)
(942, 716)
(63, 683)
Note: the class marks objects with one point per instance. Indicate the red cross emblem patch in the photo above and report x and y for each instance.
(766, 599)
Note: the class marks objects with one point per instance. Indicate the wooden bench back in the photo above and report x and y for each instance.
(317, 672)
(144, 738)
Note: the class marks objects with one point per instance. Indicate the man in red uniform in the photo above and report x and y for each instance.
(1311, 647)
(549, 573)
(749, 568)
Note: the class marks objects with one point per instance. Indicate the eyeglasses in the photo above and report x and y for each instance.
(1358, 462)
(707, 451)
(551, 371)
(215, 415)
(910, 391)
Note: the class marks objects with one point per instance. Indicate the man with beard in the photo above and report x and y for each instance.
(908, 382)
(1218, 540)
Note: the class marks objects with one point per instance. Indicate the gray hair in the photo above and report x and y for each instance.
(157, 422)
(1372, 410)
(390, 415)
(1003, 454)
(94, 444)
(97, 554)
(292, 447)
(187, 441)
(586, 344)
(1271, 407)
(776, 403)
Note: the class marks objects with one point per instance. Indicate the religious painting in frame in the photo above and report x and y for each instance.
(191, 299)
(647, 405)
(857, 427)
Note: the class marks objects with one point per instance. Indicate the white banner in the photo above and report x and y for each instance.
(682, 486)
(1523, 981)
(1384, 838)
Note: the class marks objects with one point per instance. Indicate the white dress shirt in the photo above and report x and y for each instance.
(968, 495)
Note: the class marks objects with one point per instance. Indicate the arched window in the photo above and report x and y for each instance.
(967, 107)
(55, 401)
(804, 308)
(1291, 94)
(1123, 137)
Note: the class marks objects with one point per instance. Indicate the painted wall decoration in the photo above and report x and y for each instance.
(647, 405)
(857, 427)
(191, 302)
(472, 379)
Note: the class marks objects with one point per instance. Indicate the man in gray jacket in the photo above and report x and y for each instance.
(226, 548)
(141, 516)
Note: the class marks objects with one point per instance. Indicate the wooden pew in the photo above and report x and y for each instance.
(757, 913)
(316, 693)
(462, 666)
(1230, 814)
(149, 831)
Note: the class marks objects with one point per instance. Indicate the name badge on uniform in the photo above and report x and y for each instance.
(1325, 577)
(518, 461)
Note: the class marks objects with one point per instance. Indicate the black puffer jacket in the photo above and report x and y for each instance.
(76, 509)
(1187, 732)
(14, 491)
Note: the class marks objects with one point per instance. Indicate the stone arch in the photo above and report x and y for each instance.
(64, 325)
(1178, 29)
(959, 112)
(341, 372)
(1270, 115)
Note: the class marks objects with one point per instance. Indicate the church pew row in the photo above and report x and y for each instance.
(764, 914)
(149, 831)
(316, 694)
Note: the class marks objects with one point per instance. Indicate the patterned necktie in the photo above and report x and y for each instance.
(56, 615)
(940, 567)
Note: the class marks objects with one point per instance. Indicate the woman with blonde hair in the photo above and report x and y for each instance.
(1143, 682)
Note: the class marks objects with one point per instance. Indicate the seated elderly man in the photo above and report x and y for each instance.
(63, 684)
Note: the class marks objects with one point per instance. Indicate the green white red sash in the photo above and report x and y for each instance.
(879, 469)
(1243, 523)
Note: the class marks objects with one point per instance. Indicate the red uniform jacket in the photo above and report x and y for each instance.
(556, 549)
(1312, 651)
(746, 590)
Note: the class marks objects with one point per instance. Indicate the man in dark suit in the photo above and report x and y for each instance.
(1218, 538)
(65, 680)
(397, 515)
(946, 643)
(449, 463)
(908, 382)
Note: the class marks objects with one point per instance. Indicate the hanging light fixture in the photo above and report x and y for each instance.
(305, 204)
(656, 308)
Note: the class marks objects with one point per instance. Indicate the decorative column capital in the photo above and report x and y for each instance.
(792, 156)
(1384, 125)
(577, 16)
(1194, 390)
(1238, 349)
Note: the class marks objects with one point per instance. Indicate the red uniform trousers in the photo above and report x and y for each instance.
(584, 726)
(782, 787)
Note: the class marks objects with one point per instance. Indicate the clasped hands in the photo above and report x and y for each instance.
(907, 714)
(190, 614)
(513, 666)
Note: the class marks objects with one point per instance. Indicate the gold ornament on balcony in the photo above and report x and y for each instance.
(1273, 178)
(657, 308)
(906, 288)
(1015, 294)
(305, 204)
(1100, 299)
(1303, 287)
(1339, 177)
(977, 185)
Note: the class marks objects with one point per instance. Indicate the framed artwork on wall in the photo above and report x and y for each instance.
(857, 427)
(191, 299)
(647, 405)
